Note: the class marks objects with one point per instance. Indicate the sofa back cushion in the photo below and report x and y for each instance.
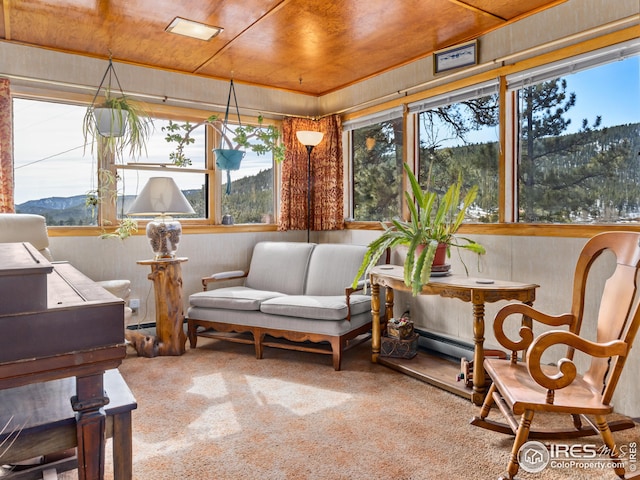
(279, 267)
(333, 267)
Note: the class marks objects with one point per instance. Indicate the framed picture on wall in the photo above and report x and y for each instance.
(458, 56)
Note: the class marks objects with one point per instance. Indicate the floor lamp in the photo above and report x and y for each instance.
(309, 139)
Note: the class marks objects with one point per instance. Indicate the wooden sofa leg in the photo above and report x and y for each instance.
(258, 337)
(336, 348)
(192, 334)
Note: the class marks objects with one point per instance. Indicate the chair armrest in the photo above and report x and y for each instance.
(223, 276)
(119, 288)
(526, 333)
(566, 368)
(360, 286)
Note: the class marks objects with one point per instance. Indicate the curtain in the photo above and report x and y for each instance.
(326, 176)
(6, 148)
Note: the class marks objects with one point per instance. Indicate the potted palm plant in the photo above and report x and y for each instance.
(433, 222)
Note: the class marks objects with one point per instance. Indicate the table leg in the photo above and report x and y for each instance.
(375, 322)
(90, 425)
(122, 446)
(389, 296)
(479, 388)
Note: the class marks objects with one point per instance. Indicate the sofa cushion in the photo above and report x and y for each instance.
(232, 298)
(333, 267)
(317, 307)
(279, 266)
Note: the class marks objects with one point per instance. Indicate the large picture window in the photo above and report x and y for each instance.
(579, 138)
(58, 178)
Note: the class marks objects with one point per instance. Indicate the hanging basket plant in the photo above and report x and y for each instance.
(229, 159)
(114, 121)
(234, 141)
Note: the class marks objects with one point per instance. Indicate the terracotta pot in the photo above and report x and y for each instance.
(441, 254)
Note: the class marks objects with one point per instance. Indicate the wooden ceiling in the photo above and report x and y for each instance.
(307, 46)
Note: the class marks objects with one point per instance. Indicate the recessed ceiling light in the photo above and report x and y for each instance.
(189, 28)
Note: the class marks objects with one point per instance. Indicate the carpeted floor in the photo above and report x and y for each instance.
(218, 413)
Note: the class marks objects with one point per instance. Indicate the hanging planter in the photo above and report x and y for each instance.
(226, 158)
(114, 121)
(260, 139)
(111, 122)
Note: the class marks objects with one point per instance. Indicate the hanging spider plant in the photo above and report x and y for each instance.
(115, 122)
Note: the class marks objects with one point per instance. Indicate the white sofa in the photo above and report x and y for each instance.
(298, 292)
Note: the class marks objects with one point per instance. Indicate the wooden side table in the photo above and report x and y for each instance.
(170, 339)
(468, 289)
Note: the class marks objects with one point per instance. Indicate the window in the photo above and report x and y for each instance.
(55, 176)
(377, 167)
(52, 172)
(250, 198)
(458, 136)
(579, 138)
(192, 179)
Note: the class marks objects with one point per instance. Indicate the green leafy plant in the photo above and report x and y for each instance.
(240, 137)
(432, 220)
(138, 127)
(127, 226)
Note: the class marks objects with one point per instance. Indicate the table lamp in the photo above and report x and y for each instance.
(162, 197)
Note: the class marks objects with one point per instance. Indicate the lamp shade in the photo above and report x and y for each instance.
(160, 196)
(309, 138)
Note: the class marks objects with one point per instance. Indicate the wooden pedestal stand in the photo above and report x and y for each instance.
(170, 339)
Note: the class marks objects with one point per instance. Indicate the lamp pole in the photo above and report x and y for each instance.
(309, 139)
(309, 150)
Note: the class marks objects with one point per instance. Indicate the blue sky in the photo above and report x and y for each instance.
(612, 91)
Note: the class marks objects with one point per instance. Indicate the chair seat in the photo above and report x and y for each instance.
(521, 392)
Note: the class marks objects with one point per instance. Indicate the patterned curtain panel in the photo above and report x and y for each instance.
(6, 148)
(326, 176)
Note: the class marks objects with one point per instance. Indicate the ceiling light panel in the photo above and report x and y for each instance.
(189, 28)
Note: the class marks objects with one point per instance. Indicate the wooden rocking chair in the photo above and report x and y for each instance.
(522, 385)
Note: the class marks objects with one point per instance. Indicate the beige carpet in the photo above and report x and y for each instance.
(218, 413)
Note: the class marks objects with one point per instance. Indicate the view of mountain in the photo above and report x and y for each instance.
(251, 199)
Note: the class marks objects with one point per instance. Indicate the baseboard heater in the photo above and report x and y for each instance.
(443, 345)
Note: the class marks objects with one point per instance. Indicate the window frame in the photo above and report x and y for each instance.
(348, 129)
(507, 224)
(107, 217)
